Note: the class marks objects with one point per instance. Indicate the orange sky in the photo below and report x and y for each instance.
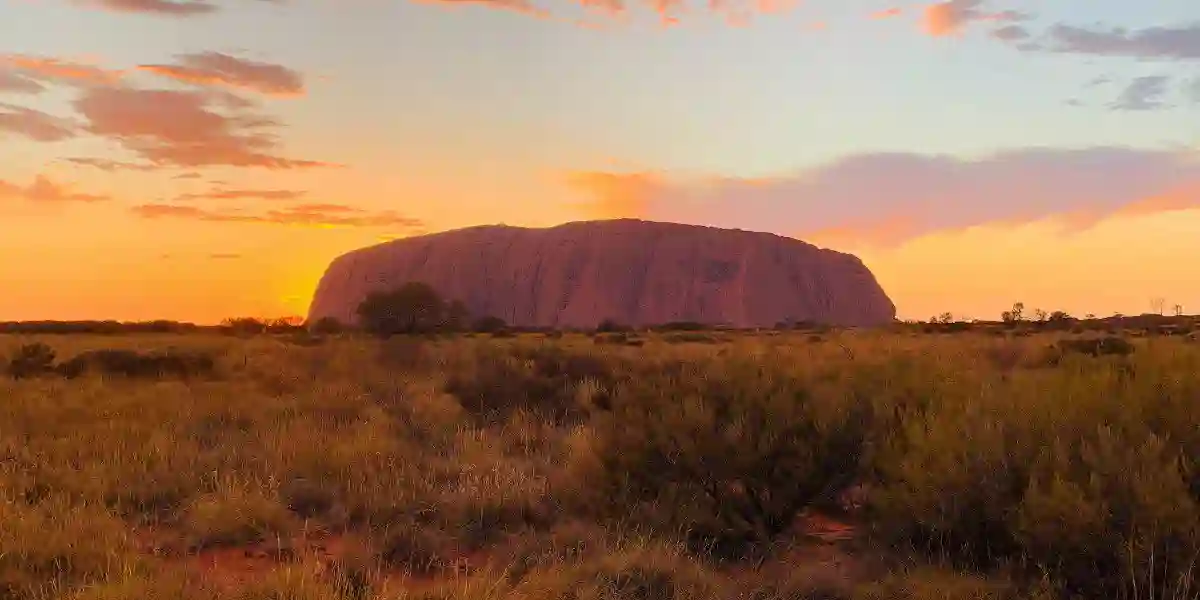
(200, 160)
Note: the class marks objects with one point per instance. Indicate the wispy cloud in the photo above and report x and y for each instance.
(12, 82)
(244, 195)
(1143, 93)
(889, 198)
(34, 124)
(1167, 43)
(1011, 33)
(175, 8)
(300, 215)
(109, 165)
(889, 13)
(167, 8)
(56, 70)
(521, 6)
(217, 69)
(43, 189)
(185, 128)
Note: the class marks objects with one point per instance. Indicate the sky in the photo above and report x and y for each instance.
(202, 159)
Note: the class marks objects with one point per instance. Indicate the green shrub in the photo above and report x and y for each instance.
(492, 383)
(727, 454)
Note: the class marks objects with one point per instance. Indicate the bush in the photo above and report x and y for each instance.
(1104, 346)
(728, 454)
(327, 326)
(131, 364)
(611, 326)
(488, 324)
(417, 549)
(235, 515)
(31, 360)
(493, 384)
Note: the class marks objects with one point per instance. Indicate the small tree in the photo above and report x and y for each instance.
(412, 308)
(1014, 315)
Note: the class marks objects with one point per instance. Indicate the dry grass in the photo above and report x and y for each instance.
(539, 467)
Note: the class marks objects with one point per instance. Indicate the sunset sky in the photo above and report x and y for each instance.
(202, 159)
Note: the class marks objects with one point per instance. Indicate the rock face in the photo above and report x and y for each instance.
(633, 272)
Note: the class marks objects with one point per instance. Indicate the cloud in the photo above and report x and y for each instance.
(890, 13)
(300, 215)
(669, 13)
(12, 82)
(188, 175)
(45, 190)
(185, 128)
(105, 164)
(521, 6)
(34, 124)
(1143, 93)
(1011, 33)
(244, 195)
(54, 70)
(174, 8)
(216, 69)
(1166, 43)
(952, 16)
(888, 198)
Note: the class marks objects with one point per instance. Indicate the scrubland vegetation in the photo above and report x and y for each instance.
(667, 465)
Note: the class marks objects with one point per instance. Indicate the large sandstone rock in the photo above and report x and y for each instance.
(633, 272)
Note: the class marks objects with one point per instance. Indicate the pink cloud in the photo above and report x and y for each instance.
(45, 190)
(34, 124)
(216, 69)
(185, 129)
(890, 13)
(16, 83)
(890, 198)
(951, 16)
(60, 71)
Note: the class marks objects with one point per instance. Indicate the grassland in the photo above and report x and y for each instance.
(693, 465)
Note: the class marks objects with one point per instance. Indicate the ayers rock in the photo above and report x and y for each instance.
(633, 272)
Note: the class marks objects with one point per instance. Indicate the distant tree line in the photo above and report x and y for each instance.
(95, 327)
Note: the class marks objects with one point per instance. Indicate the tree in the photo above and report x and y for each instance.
(414, 307)
(244, 326)
(1014, 315)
